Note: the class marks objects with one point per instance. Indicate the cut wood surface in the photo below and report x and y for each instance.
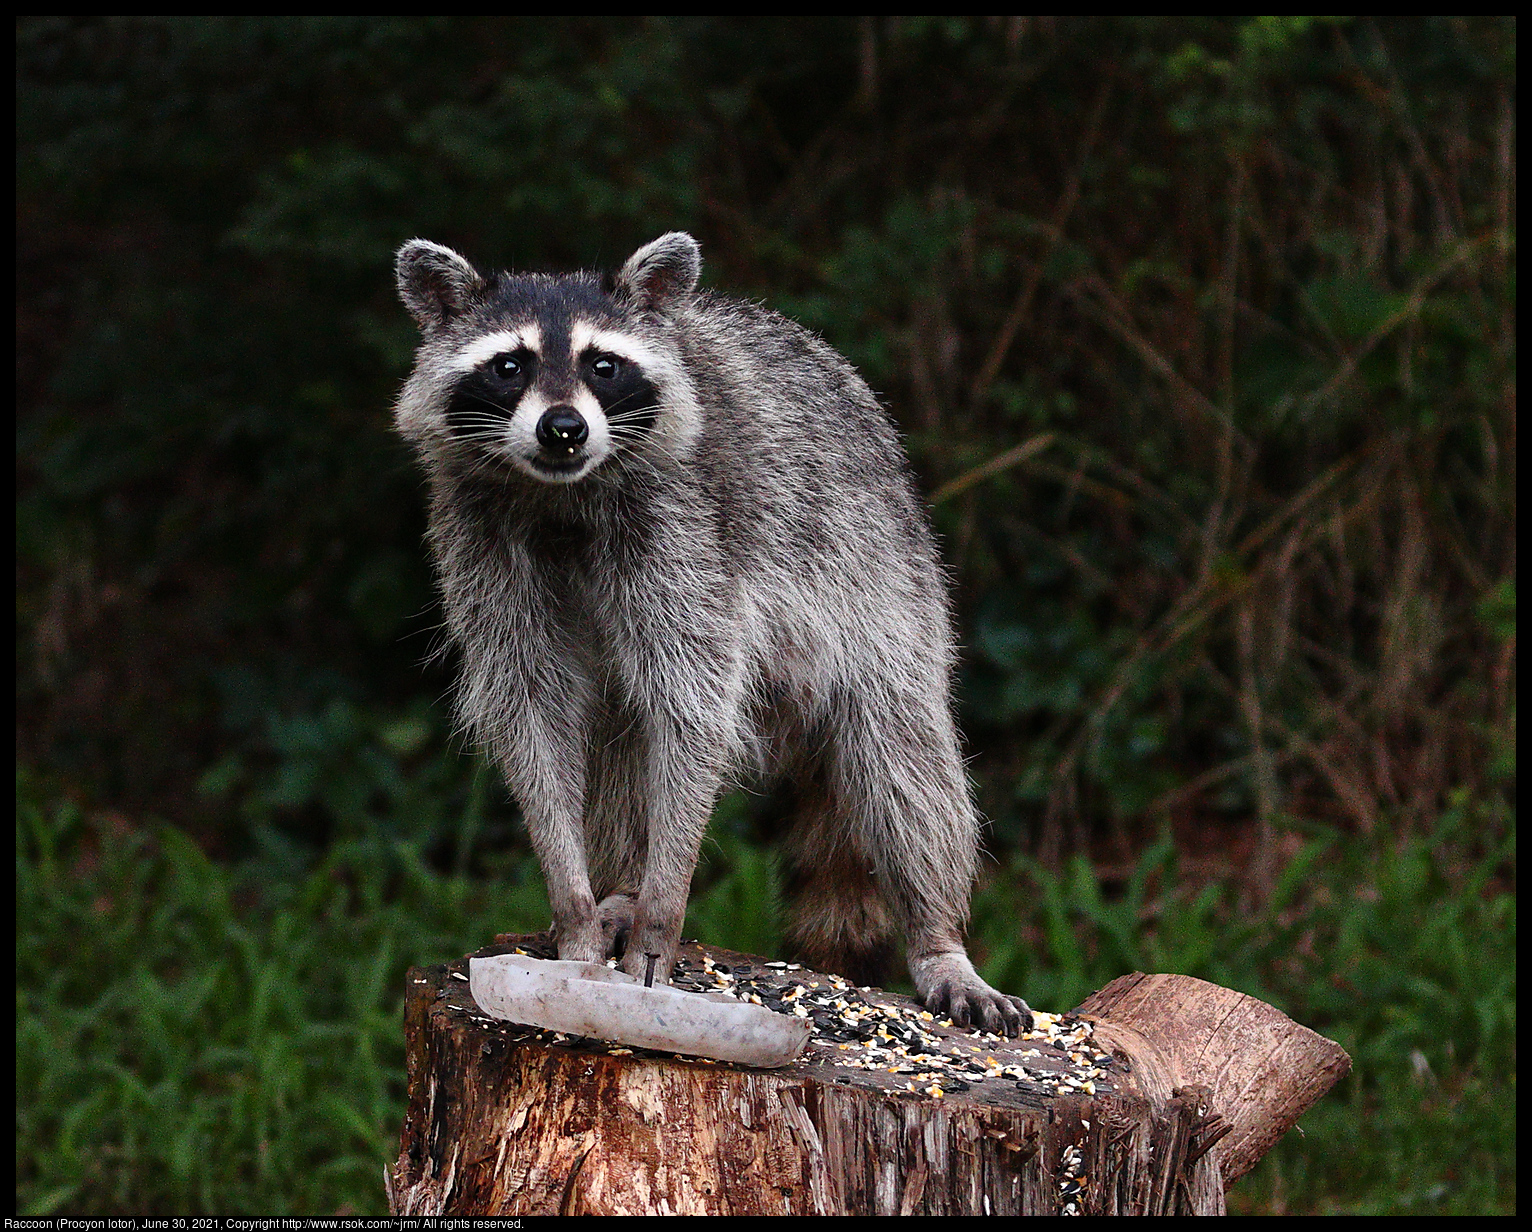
(1152, 1098)
(1260, 1070)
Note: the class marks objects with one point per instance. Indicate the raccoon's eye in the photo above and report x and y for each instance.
(505, 367)
(606, 368)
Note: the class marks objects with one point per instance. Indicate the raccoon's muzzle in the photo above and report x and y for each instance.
(561, 431)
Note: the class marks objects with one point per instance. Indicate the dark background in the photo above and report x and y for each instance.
(1250, 279)
(1200, 333)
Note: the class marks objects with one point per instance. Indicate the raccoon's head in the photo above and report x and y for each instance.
(549, 376)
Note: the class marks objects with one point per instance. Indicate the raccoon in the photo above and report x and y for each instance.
(677, 539)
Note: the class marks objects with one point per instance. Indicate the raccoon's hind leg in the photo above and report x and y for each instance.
(896, 778)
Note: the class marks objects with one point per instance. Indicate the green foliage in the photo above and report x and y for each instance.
(1085, 937)
(1403, 952)
(191, 1041)
(1393, 948)
(342, 770)
(736, 898)
(1408, 959)
(192, 1037)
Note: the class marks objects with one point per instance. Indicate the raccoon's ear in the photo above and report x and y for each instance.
(435, 283)
(661, 273)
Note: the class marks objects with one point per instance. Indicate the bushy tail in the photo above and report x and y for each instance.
(839, 923)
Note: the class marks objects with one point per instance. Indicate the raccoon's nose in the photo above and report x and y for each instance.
(562, 430)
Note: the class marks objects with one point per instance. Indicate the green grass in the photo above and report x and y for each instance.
(1403, 951)
(193, 1037)
(192, 1040)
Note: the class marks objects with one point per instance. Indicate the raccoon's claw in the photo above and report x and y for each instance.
(948, 985)
(988, 1010)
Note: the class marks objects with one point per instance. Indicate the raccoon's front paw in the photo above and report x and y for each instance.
(577, 934)
(615, 912)
(948, 985)
(654, 939)
(981, 1006)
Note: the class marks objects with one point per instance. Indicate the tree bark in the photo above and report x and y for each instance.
(1162, 1090)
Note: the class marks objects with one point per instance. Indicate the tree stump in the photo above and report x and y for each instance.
(1148, 1100)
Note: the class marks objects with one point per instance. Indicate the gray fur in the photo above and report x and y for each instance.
(737, 576)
